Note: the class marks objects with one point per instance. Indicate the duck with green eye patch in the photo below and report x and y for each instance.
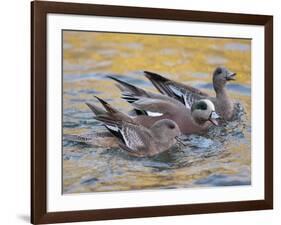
(204, 110)
(152, 107)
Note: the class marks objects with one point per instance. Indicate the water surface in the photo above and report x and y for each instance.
(220, 158)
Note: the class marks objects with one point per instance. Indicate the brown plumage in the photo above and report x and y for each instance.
(131, 136)
(152, 107)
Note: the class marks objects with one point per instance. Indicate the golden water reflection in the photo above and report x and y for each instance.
(89, 56)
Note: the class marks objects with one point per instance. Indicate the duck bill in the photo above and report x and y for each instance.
(231, 76)
(213, 121)
(213, 118)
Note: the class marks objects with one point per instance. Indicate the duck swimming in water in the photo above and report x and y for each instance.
(151, 107)
(187, 94)
(134, 138)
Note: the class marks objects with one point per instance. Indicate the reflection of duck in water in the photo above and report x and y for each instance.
(188, 94)
(102, 139)
(150, 107)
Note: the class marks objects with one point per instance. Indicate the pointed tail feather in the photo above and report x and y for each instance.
(95, 109)
(159, 82)
(128, 89)
(109, 120)
(110, 112)
(154, 76)
(107, 106)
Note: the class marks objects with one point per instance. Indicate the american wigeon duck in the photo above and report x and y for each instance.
(134, 138)
(188, 94)
(150, 107)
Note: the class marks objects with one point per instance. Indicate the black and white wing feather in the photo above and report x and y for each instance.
(186, 94)
(133, 136)
(129, 92)
(113, 125)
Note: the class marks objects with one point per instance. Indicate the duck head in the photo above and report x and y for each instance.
(221, 76)
(203, 111)
(166, 130)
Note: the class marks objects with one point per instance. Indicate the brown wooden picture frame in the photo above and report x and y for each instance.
(39, 11)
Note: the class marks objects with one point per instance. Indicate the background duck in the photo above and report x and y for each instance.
(188, 94)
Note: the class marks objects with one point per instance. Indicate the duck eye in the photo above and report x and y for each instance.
(171, 126)
(219, 70)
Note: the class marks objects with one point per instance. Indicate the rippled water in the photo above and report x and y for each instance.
(222, 157)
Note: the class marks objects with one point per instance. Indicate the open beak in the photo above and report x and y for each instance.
(213, 118)
(231, 76)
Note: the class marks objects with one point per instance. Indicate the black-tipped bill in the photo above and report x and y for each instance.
(213, 118)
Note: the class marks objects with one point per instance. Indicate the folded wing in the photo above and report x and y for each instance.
(186, 94)
(145, 102)
(132, 137)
